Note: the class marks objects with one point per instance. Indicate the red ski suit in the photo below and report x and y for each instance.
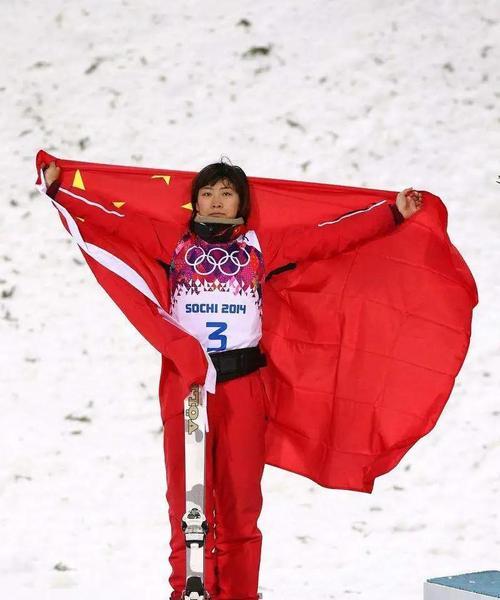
(235, 442)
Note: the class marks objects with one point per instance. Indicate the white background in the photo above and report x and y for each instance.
(379, 94)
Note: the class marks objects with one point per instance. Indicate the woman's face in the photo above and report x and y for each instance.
(218, 200)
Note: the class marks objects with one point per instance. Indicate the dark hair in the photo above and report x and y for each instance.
(222, 170)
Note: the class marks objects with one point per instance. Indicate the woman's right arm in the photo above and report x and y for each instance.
(137, 229)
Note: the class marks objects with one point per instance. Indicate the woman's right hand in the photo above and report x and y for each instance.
(51, 172)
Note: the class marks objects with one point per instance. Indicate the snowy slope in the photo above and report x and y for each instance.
(379, 94)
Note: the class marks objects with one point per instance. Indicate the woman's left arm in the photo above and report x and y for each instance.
(324, 240)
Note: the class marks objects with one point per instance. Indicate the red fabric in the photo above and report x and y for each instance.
(363, 343)
(235, 459)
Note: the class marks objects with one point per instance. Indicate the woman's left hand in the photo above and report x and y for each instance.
(409, 201)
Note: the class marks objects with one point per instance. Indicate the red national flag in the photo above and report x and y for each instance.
(363, 340)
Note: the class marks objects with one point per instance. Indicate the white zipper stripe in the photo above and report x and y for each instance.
(357, 212)
(110, 212)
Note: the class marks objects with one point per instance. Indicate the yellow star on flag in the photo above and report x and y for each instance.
(78, 181)
(166, 178)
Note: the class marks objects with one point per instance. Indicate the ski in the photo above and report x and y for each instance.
(194, 521)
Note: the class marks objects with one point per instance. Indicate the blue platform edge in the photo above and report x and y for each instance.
(483, 582)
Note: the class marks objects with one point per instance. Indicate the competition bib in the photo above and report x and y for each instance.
(216, 290)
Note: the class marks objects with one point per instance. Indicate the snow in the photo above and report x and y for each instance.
(378, 94)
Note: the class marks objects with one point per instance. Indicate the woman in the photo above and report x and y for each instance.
(216, 273)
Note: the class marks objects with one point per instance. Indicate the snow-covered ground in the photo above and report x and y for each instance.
(368, 93)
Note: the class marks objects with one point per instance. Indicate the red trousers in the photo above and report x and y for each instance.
(234, 464)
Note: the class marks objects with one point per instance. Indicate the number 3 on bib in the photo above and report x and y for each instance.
(217, 336)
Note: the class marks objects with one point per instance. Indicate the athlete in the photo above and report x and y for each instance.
(216, 270)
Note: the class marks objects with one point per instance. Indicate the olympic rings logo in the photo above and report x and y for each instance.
(196, 255)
